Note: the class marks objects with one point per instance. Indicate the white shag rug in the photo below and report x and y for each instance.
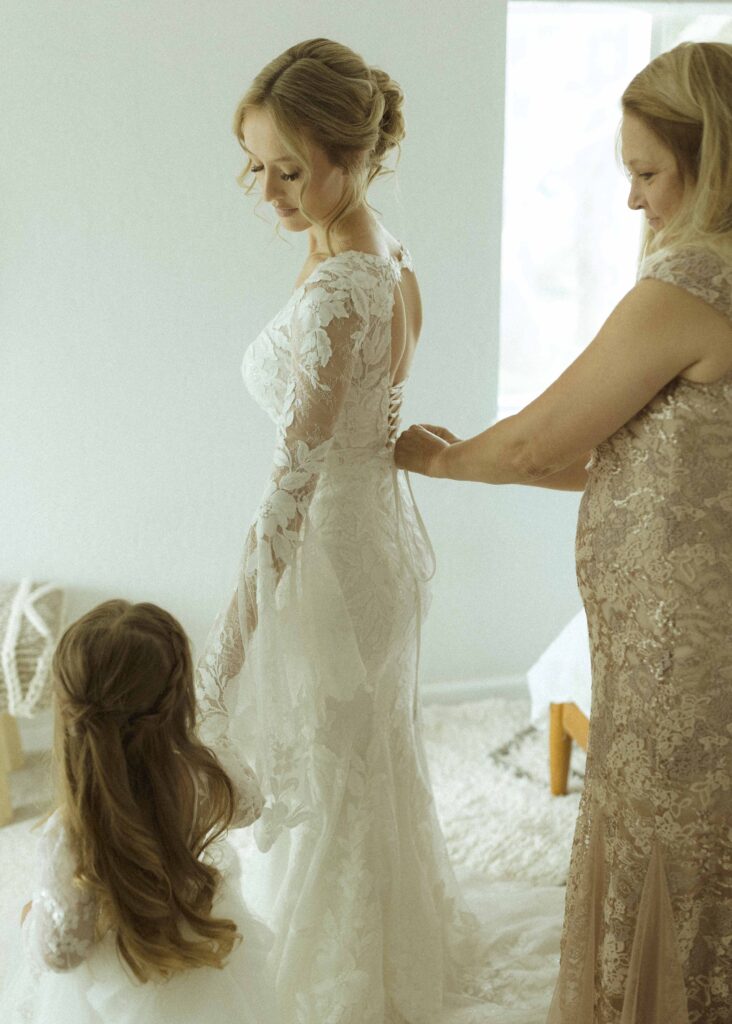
(490, 774)
(509, 839)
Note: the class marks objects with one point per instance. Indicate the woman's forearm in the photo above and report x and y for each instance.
(502, 454)
(497, 456)
(572, 478)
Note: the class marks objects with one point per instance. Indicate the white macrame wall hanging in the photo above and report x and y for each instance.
(31, 616)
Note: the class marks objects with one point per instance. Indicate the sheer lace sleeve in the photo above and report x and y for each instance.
(249, 799)
(247, 792)
(699, 271)
(325, 330)
(60, 929)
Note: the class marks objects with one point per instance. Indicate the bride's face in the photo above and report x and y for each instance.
(656, 186)
(280, 177)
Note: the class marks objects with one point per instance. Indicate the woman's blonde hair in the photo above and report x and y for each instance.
(126, 758)
(323, 91)
(684, 97)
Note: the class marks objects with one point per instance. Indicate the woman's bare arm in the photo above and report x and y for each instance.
(573, 478)
(655, 333)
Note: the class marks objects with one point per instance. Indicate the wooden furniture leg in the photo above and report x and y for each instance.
(576, 724)
(6, 804)
(560, 750)
(566, 723)
(11, 757)
(11, 751)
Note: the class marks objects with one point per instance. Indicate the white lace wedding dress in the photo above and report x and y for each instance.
(312, 672)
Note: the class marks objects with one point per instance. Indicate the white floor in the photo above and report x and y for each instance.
(508, 838)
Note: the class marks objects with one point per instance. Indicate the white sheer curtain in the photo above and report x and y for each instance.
(569, 240)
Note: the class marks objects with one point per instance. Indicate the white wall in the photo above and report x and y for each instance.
(134, 272)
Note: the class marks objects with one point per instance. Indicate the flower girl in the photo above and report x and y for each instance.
(135, 915)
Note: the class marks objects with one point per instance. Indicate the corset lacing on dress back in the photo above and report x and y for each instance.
(402, 525)
(396, 394)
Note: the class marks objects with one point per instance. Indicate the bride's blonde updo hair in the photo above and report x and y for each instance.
(325, 92)
(684, 97)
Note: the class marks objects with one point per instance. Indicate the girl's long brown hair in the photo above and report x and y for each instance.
(127, 756)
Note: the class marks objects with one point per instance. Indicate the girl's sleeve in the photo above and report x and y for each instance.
(249, 799)
(60, 929)
(326, 330)
(247, 792)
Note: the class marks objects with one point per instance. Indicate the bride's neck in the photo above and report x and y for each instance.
(355, 231)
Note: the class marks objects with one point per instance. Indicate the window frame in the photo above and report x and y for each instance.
(668, 21)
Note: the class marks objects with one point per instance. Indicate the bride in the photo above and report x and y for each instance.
(312, 668)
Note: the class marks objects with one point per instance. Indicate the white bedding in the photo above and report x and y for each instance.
(562, 674)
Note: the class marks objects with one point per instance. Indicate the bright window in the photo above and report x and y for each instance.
(570, 243)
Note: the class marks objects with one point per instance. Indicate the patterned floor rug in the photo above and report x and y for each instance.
(490, 773)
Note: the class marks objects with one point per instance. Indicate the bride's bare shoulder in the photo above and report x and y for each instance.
(376, 241)
(390, 246)
(309, 267)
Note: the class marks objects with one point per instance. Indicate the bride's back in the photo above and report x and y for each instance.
(406, 325)
(385, 350)
(406, 321)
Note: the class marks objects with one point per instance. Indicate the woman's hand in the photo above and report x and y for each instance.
(420, 448)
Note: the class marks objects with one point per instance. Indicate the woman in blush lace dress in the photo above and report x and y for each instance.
(311, 669)
(642, 422)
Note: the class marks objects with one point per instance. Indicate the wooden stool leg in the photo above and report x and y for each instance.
(576, 724)
(11, 752)
(6, 806)
(560, 750)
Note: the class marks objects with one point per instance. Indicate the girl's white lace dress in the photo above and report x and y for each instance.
(312, 672)
(63, 975)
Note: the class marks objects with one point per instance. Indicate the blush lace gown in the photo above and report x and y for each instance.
(312, 669)
(648, 927)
